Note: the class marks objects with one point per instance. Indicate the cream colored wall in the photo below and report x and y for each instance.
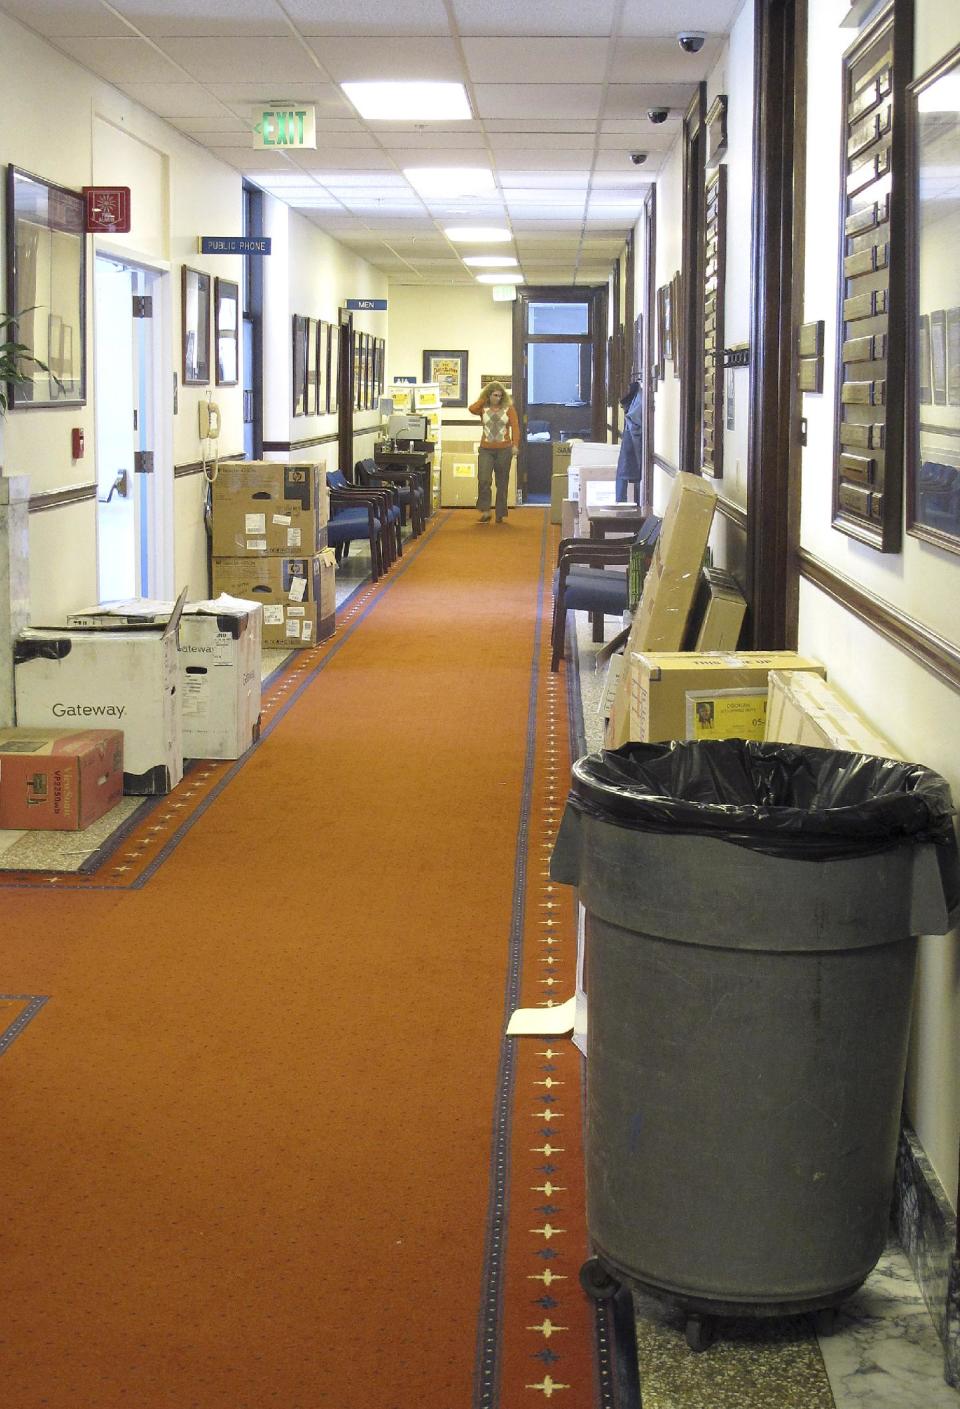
(666, 404)
(453, 319)
(919, 715)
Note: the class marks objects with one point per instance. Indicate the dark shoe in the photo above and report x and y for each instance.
(485, 516)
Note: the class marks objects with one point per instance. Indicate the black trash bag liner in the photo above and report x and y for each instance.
(781, 799)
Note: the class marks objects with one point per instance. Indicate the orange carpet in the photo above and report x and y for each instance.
(264, 1143)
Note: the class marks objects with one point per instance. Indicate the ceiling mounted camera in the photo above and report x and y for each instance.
(638, 158)
(691, 43)
(658, 115)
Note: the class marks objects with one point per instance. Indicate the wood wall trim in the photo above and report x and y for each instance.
(283, 447)
(737, 516)
(197, 467)
(939, 656)
(665, 465)
(60, 498)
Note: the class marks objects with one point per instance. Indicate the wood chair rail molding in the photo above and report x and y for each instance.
(937, 655)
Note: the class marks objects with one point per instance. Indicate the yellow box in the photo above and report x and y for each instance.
(804, 709)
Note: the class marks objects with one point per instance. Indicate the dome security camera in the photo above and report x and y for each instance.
(691, 43)
(638, 158)
(658, 115)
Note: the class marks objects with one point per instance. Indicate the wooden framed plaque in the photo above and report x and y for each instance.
(714, 282)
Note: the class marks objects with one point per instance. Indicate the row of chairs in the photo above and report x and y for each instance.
(375, 508)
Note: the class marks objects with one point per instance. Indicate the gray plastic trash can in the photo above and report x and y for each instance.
(748, 1011)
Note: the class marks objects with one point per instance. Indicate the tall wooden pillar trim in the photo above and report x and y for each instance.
(773, 459)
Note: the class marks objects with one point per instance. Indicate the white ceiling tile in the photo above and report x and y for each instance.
(635, 99)
(158, 18)
(175, 99)
(546, 141)
(527, 160)
(566, 17)
(640, 17)
(662, 61)
(435, 149)
(329, 158)
(357, 60)
(368, 17)
(531, 100)
(548, 60)
(274, 61)
(130, 60)
(538, 125)
(568, 180)
(57, 18)
(228, 122)
(239, 140)
(243, 97)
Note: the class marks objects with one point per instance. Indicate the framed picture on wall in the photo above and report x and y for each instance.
(46, 290)
(311, 366)
(938, 356)
(449, 370)
(333, 368)
(299, 365)
(925, 390)
(226, 331)
(195, 315)
(359, 352)
(323, 370)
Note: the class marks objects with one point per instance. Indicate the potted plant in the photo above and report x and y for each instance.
(14, 357)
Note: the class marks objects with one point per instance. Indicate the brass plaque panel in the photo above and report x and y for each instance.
(862, 393)
(858, 467)
(863, 437)
(852, 497)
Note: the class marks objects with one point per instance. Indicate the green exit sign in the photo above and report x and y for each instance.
(285, 126)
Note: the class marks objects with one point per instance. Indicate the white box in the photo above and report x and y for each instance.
(220, 648)
(125, 680)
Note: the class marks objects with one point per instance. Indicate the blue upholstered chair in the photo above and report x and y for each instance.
(354, 516)
(371, 475)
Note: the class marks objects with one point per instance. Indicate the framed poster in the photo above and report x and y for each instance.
(46, 258)
(359, 351)
(312, 341)
(938, 356)
(449, 371)
(299, 365)
(195, 315)
(323, 371)
(226, 331)
(333, 368)
(925, 387)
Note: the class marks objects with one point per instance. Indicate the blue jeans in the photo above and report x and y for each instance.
(490, 462)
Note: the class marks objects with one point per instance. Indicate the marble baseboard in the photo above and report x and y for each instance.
(927, 1229)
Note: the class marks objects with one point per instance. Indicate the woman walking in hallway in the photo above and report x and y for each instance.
(499, 442)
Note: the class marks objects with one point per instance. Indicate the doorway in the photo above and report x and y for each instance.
(559, 341)
(134, 473)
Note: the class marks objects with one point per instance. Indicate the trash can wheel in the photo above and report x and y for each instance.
(698, 1332)
(596, 1281)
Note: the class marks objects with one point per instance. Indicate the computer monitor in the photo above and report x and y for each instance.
(403, 426)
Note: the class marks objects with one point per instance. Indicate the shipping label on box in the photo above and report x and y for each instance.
(58, 779)
(725, 714)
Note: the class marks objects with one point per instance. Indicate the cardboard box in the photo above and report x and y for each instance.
(262, 509)
(127, 679)
(718, 611)
(703, 695)
(804, 709)
(58, 780)
(458, 474)
(298, 595)
(568, 518)
(671, 583)
(219, 656)
(558, 492)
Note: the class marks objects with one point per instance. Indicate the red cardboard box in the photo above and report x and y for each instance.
(58, 780)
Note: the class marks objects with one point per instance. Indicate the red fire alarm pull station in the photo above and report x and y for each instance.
(76, 442)
(106, 210)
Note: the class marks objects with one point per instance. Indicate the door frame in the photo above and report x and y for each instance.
(597, 297)
(161, 411)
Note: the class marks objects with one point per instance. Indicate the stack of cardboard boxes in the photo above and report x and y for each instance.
(269, 545)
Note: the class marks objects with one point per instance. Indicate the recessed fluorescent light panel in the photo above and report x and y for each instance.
(478, 234)
(409, 102)
(499, 278)
(489, 261)
(450, 181)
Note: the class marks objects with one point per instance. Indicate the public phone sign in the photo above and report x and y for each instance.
(285, 126)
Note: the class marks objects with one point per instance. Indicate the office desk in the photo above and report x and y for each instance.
(603, 524)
